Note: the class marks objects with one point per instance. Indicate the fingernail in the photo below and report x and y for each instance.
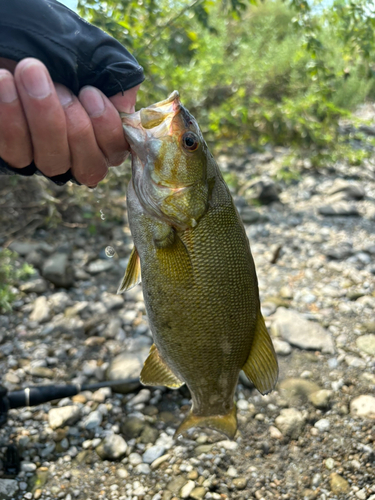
(64, 95)
(36, 81)
(8, 92)
(92, 101)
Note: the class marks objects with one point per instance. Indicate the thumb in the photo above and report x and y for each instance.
(125, 101)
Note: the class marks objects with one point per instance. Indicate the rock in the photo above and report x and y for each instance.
(264, 190)
(341, 252)
(198, 493)
(347, 190)
(74, 326)
(363, 406)
(149, 435)
(339, 209)
(93, 420)
(366, 343)
(112, 301)
(23, 248)
(240, 483)
(175, 485)
(132, 427)
(151, 454)
(164, 458)
(321, 399)
(275, 433)
(135, 459)
(187, 489)
(290, 422)
(143, 396)
(142, 469)
(249, 216)
(38, 285)
(338, 484)
(281, 347)
(41, 371)
(8, 488)
(41, 311)
(58, 270)
(127, 365)
(322, 425)
(112, 447)
(300, 332)
(99, 266)
(232, 472)
(59, 301)
(66, 415)
(297, 390)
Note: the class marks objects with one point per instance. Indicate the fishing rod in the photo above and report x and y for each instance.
(36, 395)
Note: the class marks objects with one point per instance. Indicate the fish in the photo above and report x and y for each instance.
(193, 258)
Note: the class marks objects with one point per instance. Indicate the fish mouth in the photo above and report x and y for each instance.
(152, 122)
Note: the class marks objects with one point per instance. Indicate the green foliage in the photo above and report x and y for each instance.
(11, 271)
(252, 72)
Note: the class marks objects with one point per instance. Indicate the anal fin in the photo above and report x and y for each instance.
(156, 372)
(261, 366)
(226, 424)
(132, 275)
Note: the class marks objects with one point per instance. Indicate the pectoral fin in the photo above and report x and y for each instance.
(132, 275)
(261, 366)
(156, 372)
(226, 424)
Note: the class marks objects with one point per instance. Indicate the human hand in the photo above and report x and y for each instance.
(44, 122)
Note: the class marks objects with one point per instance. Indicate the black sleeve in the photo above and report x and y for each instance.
(75, 52)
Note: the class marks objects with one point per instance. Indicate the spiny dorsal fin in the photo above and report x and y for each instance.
(156, 372)
(261, 366)
(132, 276)
(226, 424)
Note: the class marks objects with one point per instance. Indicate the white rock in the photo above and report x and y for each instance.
(242, 404)
(41, 311)
(322, 425)
(142, 469)
(135, 459)
(94, 419)
(66, 415)
(8, 488)
(28, 466)
(281, 347)
(290, 422)
(227, 445)
(232, 472)
(187, 489)
(363, 406)
(275, 433)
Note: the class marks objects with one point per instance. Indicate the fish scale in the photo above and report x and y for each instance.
(199, 281)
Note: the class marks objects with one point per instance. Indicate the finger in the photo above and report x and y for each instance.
(15, 141)
(125, 101)
(106, 123)
(45, 117)
(89, 165)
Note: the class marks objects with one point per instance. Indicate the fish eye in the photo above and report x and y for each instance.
(190, 141)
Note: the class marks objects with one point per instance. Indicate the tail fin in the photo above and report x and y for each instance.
(226, 424)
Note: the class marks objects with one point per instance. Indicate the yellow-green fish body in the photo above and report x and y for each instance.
(198, 275)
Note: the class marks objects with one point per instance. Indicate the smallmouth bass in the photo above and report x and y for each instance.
(198, 276)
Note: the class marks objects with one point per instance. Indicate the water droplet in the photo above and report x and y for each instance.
(102, 216)
(110, 252)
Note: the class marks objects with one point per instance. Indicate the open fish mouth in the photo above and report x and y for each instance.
(152, 122)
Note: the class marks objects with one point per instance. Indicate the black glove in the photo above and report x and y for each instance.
(75, 53)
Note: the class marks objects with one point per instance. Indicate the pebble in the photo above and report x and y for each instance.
(339, 209)
(275, 433)
(322, 425)
(198, 493)
(156, 463)
(41, 311)
(8, 488)
(127, 365)
(187, 489)
(290, 422)
(142, 469)
(240, 483)
(300, 332)
(58, 270)
(38, 285)
(282, 348)
(112, 447)
(152, 453)
(93, 420)
(232, 472)
(366, 344)
(321, 399)
(99, 266)
(135, 459)
(338, 484)
(363, 406)
(66, 415)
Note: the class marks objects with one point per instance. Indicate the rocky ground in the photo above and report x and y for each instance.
(313, 241)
